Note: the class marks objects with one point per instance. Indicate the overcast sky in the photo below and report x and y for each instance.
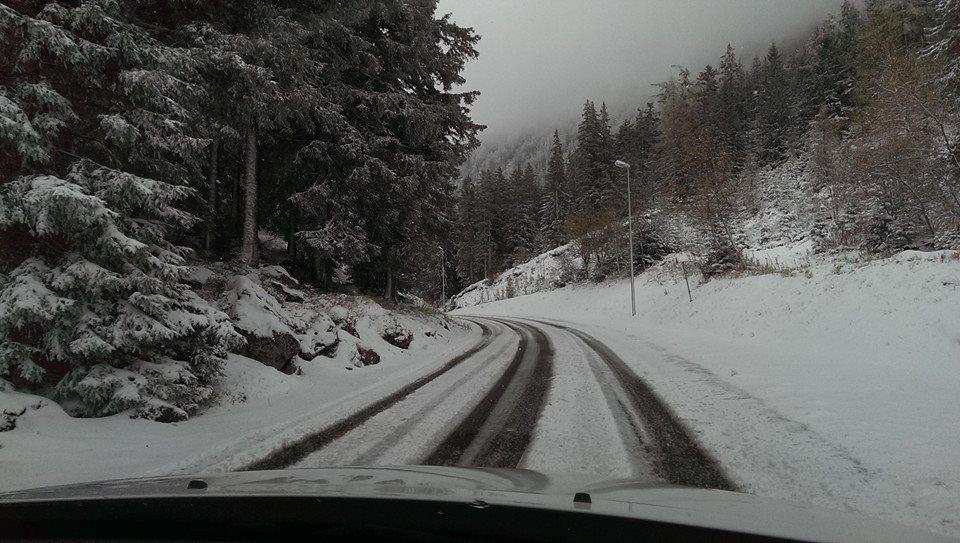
(540, 59)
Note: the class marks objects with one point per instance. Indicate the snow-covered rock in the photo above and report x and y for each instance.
(276, 332)
(365, 357)
(393, 333)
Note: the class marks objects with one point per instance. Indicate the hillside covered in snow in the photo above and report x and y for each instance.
(781, 227)
(826, 379)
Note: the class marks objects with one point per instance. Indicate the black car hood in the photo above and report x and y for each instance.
(737, 512)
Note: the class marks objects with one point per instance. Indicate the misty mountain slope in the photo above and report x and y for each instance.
(539, 59)
(521, 149)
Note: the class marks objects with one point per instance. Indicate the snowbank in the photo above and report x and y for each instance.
(836, 383)
(257, 408)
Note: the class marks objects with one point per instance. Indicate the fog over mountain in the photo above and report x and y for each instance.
(540, 59)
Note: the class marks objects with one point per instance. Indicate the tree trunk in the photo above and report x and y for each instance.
(322, 271)
(388, 289)
(234, 209)
(291, 239)
(212, 193)
(249, 253)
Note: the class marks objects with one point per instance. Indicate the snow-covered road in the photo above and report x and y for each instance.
(532, 395)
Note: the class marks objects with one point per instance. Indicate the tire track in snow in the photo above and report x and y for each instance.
(300, 449)
(383, 446)
(499, 429)
(676, 456)
(583, 429)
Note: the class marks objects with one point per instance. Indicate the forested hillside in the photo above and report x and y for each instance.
(862, 116)
(137, 137)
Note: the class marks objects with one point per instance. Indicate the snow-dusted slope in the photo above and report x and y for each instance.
(782, 210)
(774, 229)
(543, 272)
(834, 383)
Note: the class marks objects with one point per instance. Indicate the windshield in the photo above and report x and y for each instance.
(707, 244)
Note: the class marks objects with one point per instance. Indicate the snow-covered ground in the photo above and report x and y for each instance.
(258, 408)
(835, 383)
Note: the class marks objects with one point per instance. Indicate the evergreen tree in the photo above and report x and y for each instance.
(647, 137)
(556, 203)
(94, 302)
(470, 253)
(774, 108)
(802, 79)
(490, 221)
(588, 158)
(527, 230)
(733, 107)
(382, 172)
(707, 91)
(836, 62)
(510, 205)
(609, 191)
(677, 127)
(945, 41)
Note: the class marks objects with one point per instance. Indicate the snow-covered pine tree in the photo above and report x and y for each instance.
(270, 73)
(499, 207)
(647, 133)
(835, 64)
(707, 93)
(386, 153)
(775, 117)
(945, 41)
(733, 107)
(92, 308)
(527, 241)
(802, 81)
(677, 126)
(489, 224)
(469, 255)
(588, 157)
(610, 191)
(556, 199)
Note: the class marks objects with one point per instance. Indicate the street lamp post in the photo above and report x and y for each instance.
(633, 297)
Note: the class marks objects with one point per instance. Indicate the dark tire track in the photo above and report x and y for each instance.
(498, 430)
(297, 451)
(678, 458)
(405, 428)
